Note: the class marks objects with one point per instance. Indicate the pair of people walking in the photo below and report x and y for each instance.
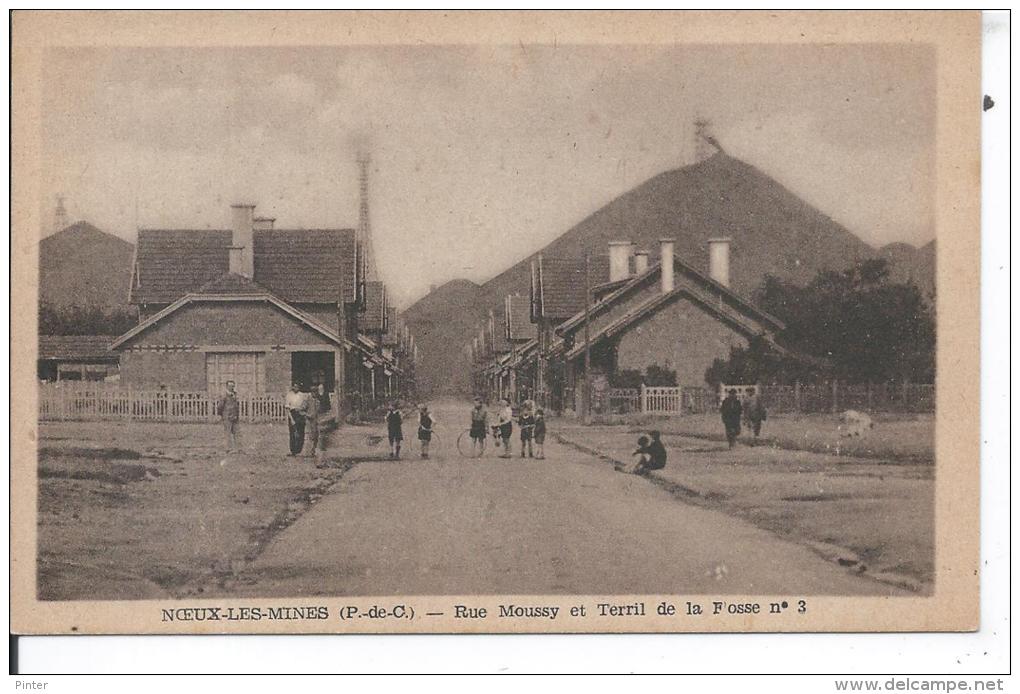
(751, 412)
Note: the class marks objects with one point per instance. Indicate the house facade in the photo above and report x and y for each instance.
(623, 312)
(260, 306)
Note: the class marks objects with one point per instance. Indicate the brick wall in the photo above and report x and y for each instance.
(230, 323)
(181, 371)
(681, 337)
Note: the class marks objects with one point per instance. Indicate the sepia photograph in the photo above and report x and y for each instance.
(460, 331)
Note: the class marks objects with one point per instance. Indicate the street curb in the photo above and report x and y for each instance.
(669, 485)
(830, 553)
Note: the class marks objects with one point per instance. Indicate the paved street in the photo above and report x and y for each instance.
(569, 524)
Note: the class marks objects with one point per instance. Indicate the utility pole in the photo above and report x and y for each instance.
(587, 338)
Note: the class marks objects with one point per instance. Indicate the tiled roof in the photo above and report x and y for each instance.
(307, 265)
(230, 283)
(374, 317)
(518, 314)
(562, 284)
(297, 265)
(73, 347)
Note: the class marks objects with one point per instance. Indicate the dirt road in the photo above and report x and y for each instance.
(568, 524)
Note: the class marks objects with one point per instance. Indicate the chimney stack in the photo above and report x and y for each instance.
(619, 260)
(666, 264)
(640, 262)
(242, 251)
(719, 260)
(264, 223)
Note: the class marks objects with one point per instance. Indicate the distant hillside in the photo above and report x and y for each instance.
(83, 266)
(910, 264)
(442, 322)
(772, 231)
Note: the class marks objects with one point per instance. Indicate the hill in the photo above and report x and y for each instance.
(772, 231)
(442, 322)
(910, 264)
(83, 266)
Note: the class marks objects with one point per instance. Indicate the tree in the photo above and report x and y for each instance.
(855, 326)
(84, 320)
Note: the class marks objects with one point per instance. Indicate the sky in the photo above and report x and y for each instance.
(481, 155)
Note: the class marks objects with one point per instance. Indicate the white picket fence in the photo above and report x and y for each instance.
(815, 398)
(98, 402)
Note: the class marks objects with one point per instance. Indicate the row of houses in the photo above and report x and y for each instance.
(253, 304)
(624, 310)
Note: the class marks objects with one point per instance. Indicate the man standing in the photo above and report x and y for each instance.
(295, 405)
(730, 411)
(229, 411)
(311, 412)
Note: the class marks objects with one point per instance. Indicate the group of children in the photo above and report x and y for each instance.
(531, 421)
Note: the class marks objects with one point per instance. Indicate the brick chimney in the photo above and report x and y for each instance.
(242, 247)
(619, 260)
(640, 262)
(719, 260)
(666, 263)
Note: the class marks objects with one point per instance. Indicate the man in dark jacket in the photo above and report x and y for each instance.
(730, 411)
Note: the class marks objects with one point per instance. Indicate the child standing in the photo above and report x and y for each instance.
(540, 434)
(395, 429)
(527, 422)
(424, 430)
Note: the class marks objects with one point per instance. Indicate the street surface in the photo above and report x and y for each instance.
(567, 525)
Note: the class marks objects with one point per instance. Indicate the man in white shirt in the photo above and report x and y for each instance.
(295, 405)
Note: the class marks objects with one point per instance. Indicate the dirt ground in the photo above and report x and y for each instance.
(133, 510)
(872, 514)
(898, 437)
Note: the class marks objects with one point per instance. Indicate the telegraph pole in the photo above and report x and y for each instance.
(587, 338)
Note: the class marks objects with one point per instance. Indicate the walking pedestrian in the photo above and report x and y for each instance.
(527, 422)
(229, 411)
(540, 434)
(425, 430)
(479, 428)
(730, 411)
(295, 405)
(505, 422)
(756, 414)
(395, 429)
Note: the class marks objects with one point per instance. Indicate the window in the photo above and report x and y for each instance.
(246, 369)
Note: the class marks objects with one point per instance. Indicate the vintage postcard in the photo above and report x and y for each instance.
(495, 322)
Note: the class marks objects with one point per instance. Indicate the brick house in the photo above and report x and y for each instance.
(261, 306)
(669, 315)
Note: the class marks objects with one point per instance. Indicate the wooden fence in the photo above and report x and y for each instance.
(804, 399)
(96, 401)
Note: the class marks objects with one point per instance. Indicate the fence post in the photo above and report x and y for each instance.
(796, 397)
(130, 409)
(871, 405)
(905, 406)
(644, 399)
(63, 403)
(835, 396)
